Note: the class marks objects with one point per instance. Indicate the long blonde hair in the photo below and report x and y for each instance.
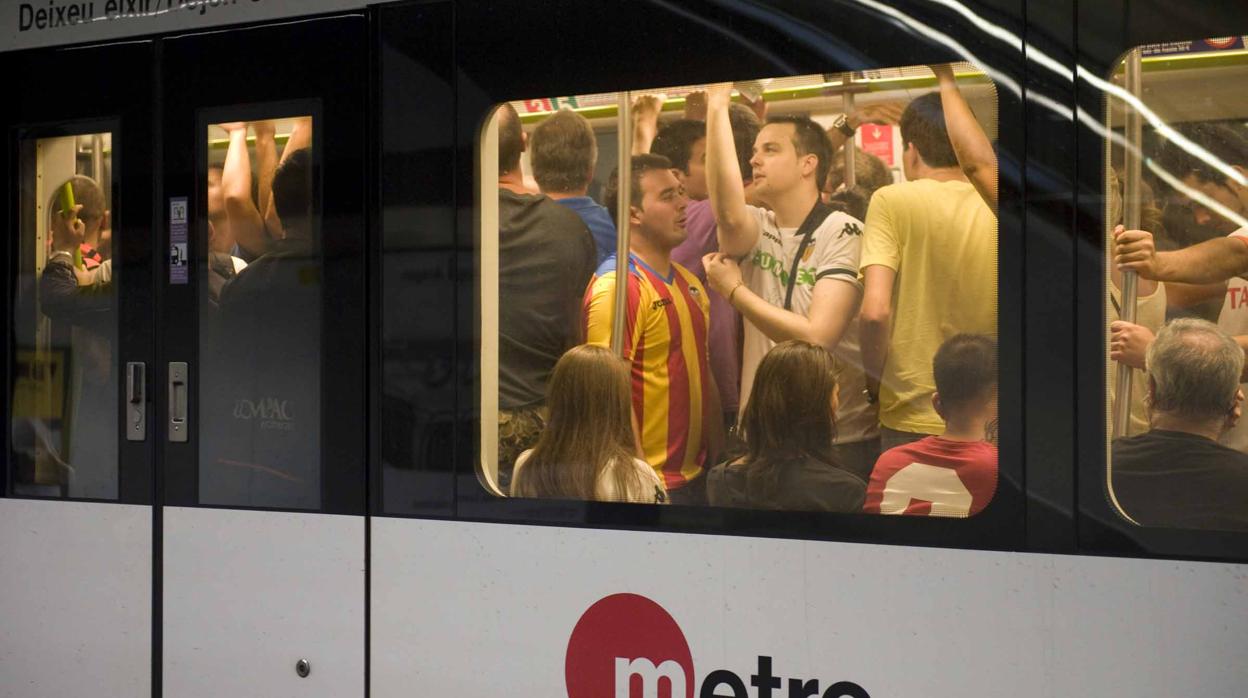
(589, 429)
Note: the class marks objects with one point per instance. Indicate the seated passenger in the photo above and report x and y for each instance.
(789, 462)
(587, 449)
(954, 474)
(1177, 475)
(563, 152)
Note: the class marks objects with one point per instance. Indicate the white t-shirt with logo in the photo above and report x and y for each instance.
(1234, 321)
(832, 253)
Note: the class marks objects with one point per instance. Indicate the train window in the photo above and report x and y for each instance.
(809, 318)
(1176, 295)
(260, 317)
(64, 361)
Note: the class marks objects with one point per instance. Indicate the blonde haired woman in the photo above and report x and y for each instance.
(587, 450)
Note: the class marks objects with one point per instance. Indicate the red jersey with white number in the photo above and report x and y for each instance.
(933, 477)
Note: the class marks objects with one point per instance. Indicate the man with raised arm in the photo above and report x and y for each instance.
(970, 144)
(798, 278)
(675, 402)
(929, 263)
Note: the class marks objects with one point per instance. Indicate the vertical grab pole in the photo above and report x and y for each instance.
(1131, 220)
(625, 169)
(851, 147)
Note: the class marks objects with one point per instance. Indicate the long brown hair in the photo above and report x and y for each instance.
(789, 417)
(589, 430)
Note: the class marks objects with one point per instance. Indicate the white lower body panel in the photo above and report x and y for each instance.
(464, 609)
(247, 594)
(75, 599)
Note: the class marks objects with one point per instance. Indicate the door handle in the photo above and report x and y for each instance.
(136, 401)
(178, 378)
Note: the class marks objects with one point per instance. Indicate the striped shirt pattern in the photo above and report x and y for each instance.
(665, 344)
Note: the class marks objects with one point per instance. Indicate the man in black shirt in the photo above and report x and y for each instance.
(1177, 475)
(546, 256)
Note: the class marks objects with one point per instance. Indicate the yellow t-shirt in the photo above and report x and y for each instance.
(941, 239)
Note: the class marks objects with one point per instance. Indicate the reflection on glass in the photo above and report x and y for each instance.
(64, 409)
(1176, 202)
(810, 294)
(260, 414)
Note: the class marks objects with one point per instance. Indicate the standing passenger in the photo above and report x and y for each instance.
(799, 279)
(563, 152)
(545, 258)
(929, 260)
(674, 397)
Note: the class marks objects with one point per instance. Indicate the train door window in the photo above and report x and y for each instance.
(1176, 302)
(260, 315)
(64, 366)
(760, 217)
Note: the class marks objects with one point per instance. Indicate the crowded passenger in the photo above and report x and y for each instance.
(675, 401)
(223, 265)
(80, 306)
(955, 473)
(1177, 475)
(587, 450)
(546, 257)
(563, 152)
(789, 426)
(929, 264)
(684, 143)
(798, 278)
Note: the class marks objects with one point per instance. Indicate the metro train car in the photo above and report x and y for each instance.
(295, 295)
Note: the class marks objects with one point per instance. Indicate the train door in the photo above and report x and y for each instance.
(76, 487)
(262, 369)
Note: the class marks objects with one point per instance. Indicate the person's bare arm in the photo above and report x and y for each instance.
(878, 113)
(971, 145)
(1180, 295)
(737, 229)
(244, 217)
(832, 305)
(875, 322)
(646, 110)
(1211, 261)
(266, 162)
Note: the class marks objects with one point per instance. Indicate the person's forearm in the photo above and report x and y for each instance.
(970, 144)
(777, 323)
(1208, 262)
(873, 336)
(266, 165)
(723, 180)
(236, 172)
(1180, 295)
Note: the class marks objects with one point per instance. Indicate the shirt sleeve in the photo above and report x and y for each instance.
(880, 243)
(839, 249)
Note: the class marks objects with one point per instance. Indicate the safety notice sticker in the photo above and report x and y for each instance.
(179, 269)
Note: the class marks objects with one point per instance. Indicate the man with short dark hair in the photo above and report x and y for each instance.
(954, 474)
(563, 152)
(546, 255)
(799, 275)
(684, 143)
(674, 397)
(1177, 475)
(929, 266)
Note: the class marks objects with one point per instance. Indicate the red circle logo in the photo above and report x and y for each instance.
(1222, 42)
(627, 646)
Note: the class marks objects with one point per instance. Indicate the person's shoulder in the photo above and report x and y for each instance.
(725, 484)
(818, 470)
(839, 225)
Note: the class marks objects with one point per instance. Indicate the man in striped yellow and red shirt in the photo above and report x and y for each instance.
(674, 396)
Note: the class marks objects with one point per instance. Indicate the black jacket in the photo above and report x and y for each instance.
(806, 486)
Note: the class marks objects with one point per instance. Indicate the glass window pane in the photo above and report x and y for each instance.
(64, 371)
(1177, 148)
(851, 280)
(260, 317)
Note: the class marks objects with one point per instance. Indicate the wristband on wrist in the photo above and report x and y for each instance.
(733, 292)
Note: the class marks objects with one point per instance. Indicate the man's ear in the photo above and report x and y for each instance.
(937, 405)
(810, 165)
(634, 215)
(524, 141)
(1237, 409)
